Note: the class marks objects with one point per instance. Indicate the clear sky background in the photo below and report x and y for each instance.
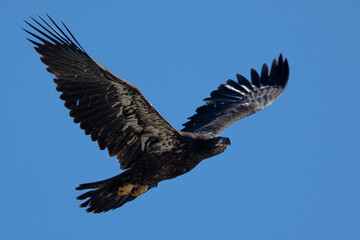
(292, 171)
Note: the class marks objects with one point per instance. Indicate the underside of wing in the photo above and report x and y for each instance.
(237, 99)
(113, 111)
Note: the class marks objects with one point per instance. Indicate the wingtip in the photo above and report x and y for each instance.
(286, 72)
(282, 65)
(286, 64)
(281, 57)
(283, 60)
(49, 17)
(27, 22)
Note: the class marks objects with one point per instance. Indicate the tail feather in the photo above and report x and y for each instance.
(105, 196)
(95, 184)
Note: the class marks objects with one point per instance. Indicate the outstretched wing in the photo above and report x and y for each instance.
(235, 100)
(113, 111)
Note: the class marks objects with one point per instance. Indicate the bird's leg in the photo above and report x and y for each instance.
(126, 189)
(138, 190)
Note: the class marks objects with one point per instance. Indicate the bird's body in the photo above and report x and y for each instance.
(115, 113)
(178, 161)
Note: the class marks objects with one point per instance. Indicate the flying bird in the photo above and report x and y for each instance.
(117, 115)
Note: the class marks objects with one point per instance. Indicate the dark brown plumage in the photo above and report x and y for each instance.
(116, 115)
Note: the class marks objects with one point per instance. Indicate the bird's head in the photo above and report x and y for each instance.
(221, 143)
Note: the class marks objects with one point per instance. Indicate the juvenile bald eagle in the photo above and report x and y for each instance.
(117, 115)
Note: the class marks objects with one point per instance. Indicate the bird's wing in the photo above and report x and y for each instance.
(113, 111)
(235, 100)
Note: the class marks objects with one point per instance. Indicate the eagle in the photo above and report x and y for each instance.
(117, 115)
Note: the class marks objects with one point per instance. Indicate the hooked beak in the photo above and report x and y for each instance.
(226, 141)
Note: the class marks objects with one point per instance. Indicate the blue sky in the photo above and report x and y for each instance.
(292, 171)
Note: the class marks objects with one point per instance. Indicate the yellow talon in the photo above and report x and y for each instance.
(138, 190)
(124, 190)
